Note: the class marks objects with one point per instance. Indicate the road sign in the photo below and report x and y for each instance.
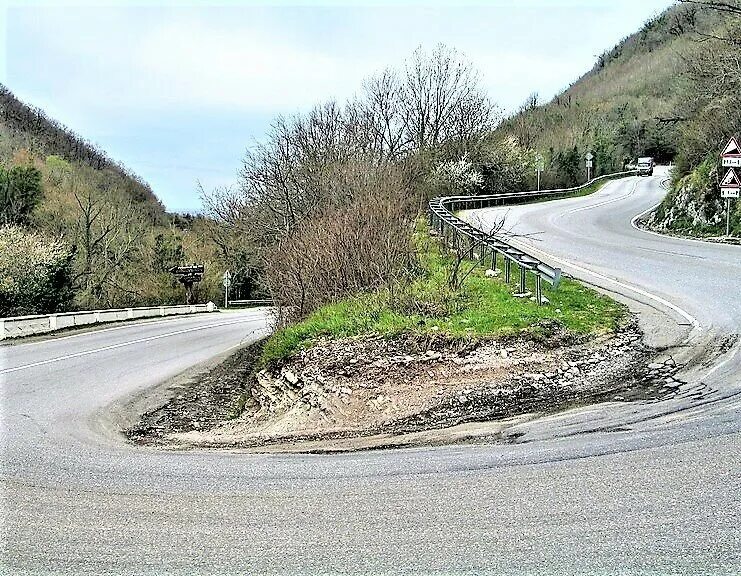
(188, 275)
(730, 180)
(187, 270)
(539, 163)
(589, 158)
(227, 279)
(731, 155)
(539, 166)
(732, 148)
(730, 185)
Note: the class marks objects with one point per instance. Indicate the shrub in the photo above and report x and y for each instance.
(35, 276)
(346, 249)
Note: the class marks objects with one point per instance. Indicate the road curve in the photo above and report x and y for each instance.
(618, 488)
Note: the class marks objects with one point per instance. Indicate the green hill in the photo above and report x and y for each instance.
(97, 228)
(669, 91)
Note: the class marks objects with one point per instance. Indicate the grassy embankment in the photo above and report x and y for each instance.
(586, 191)
(482, 307)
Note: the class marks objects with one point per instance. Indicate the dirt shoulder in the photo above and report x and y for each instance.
(369, 392)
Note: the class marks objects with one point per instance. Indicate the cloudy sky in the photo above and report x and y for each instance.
(178, 90)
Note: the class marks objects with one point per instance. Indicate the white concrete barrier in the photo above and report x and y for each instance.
(19, 326)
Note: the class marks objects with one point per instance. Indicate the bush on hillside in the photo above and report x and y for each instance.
(20, 192)
(345, 250)
(35, 273)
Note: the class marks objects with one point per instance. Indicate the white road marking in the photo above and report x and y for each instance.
(603, 203)
(634, 224)
(129, 323)
(683, 313)
(114, 346)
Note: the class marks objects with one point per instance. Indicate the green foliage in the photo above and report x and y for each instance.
(20, 193)
(505, 165)
(35, 273)
(484, 307)
(568, 164)
(631, 104)
(694, 206)
(168, 252)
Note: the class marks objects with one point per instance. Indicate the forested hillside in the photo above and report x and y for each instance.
(667, 91)
(81, 231)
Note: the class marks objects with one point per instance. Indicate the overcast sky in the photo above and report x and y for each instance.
(177, 91)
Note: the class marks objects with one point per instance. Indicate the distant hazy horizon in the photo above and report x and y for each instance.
(177, 92)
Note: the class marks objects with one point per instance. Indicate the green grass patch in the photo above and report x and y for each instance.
(483, 307)
(586, 191)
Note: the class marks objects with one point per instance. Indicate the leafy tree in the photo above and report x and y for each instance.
(35, 273)
(568, 164)
(20, 193)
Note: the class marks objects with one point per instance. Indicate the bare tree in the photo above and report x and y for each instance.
(443, 99)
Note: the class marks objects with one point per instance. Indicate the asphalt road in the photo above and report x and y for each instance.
(618, 488)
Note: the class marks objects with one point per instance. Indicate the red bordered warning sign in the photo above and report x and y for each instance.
(731, 156)
(732, 149)
(730, 180)
(730, 185)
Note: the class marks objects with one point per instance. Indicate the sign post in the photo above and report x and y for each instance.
(731, 183)
(539, 166)
(227, 283)
(590, 158)
(187, 276)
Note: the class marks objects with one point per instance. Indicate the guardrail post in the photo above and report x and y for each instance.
(538, 290)
(556, 277)
(523, 285)
(494, 259)
(507, 270)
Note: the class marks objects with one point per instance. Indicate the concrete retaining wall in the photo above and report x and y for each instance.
(20, 326)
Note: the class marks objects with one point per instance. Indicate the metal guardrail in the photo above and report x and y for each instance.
(238, 303)
(458, 233)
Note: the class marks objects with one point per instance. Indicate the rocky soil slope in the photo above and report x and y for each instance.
(372, 391)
